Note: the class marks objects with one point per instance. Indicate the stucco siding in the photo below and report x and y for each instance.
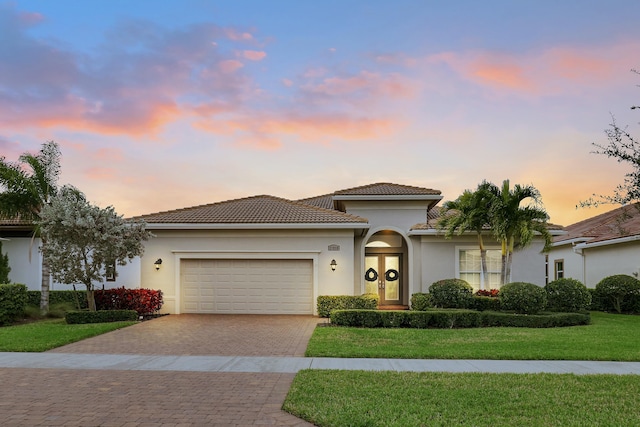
(606, 261)
(173, 246)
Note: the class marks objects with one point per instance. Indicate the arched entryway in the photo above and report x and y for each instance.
(386, 267)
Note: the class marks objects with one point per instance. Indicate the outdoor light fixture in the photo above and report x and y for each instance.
(333, 265)
(157, 263)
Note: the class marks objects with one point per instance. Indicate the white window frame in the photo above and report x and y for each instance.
(472, 248)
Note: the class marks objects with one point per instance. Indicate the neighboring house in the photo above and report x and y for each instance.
(266, 254)
(26, 263)
(598, 247)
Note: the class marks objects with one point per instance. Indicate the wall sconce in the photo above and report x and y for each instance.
(333, 265)
(157, 263)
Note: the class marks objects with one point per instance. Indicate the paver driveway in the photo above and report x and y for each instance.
(58, 397)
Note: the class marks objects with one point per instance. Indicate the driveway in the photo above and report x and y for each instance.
(59, 397)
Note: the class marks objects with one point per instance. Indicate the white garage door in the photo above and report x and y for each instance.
(249, 286)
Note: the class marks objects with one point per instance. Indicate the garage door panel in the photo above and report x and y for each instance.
(247, 286)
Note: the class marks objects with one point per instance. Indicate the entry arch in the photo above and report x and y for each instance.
(387, 243)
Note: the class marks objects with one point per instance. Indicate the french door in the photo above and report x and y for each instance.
(383, 275)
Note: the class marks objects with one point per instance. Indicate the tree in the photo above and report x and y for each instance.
(28, 186)
(513, 224)
(470, 213)
(85, 240)
(4, 267)
(624, 148)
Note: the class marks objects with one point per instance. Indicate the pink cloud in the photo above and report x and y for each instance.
(539, 73)
(254, 55)
(230, 65)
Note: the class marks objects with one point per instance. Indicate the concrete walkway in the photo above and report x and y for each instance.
(291, 365)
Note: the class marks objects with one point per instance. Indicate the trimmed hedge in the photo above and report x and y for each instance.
(484, 303)
(451, 293)
(13, 299)
(143, 301)
(327, 303)
(421, 301)
(101, 316)
(59, 297)
(523, 298)
(567, 295)
(619, 293)
(453, 318)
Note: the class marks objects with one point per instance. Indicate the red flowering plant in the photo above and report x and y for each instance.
(493, 293)
(144, 301)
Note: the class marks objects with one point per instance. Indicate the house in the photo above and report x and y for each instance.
(266, 254)
(598, 247)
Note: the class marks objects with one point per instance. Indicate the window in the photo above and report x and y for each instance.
(559, 269)
(110, 274)
(470, 268)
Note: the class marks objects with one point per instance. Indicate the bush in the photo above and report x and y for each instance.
(327, 303)
(13, 299)
(451, 293)
(446, 319)
(483, 303)
(59, 297)
(143, 301)
(101, 316)
(567, 295)
(595, 300)
(524, 298)
(620, 293)
(421, 301)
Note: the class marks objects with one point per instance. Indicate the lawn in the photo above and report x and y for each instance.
(368, 398)
(47, 334)
(609, 337)
(358, 398)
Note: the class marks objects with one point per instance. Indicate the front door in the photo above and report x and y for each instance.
(383, 275)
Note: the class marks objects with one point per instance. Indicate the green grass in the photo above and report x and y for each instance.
(358, 398)
(609, 337)
(47, 334)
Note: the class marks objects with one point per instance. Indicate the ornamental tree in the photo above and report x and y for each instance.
(85, 240)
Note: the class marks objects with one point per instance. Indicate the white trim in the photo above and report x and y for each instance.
(410, 263)
(377, 197)
(571, 241)
(587, 245)
(436, 232)
(179, 255)
(252, 226)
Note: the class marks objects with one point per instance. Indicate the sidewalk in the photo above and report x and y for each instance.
(248, 364)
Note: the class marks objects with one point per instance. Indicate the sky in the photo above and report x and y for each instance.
(164, 105)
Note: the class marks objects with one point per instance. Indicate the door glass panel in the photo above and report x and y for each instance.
(370, 266)
(392, 277)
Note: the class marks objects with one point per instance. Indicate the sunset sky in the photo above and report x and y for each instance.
(166, 104)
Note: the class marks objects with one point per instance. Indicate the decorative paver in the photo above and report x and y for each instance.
(80, 397)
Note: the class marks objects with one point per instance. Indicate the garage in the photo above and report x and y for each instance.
(246, 286)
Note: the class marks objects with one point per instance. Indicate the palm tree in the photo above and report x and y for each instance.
(513, 224)
(26, 187)
(470, 212)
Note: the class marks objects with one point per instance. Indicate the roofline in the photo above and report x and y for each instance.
(256, 226)
(627, 239)
(574, 241)
(436, 232)
(377, 197)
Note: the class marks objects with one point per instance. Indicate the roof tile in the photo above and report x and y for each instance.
(617, 223)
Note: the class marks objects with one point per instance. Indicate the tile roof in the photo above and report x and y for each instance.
(621, 222)
(253, 210)
(434, 214)
(387, 189)
(325, 201)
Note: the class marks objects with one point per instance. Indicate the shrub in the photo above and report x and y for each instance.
(524, 298)
(143, 301)
(451, 293)
(595, 300)
(76, 298)
(567, 295)
(327, 303)
(13, 299)
(493, 293)
(620, 293)
(447, 319)
(101, 316)
(421, 301)
(482, 303)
